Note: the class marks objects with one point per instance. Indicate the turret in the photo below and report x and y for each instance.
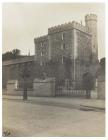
(91, 24)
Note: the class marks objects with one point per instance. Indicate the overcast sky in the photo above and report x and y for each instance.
(22, 22)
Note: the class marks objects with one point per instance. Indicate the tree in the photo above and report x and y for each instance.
(7, 56)
(15, 53)
(11, 55)
(88, 83)
(102, 63)
(68, 65)
(38, 71)
(53, 67)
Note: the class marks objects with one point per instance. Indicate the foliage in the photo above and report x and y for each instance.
(102, 63)
(38, 71)
(58, 70)
(11, 55)
(52, 68)
(88, 81)
(68, 65)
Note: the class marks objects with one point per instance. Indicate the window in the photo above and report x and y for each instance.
(41, 53)
(63, 59)
(63, 36)
(41, 44)
(63, 46)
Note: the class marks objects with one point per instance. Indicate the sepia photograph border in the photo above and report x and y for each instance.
(106, 55)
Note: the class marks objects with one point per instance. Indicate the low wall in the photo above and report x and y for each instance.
(40, 88)
(47, 88)
(18, 92)
(44, 87)
(11, 87)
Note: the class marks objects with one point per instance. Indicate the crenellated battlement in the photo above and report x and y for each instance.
(41, 38)
(91, 17)
(67, 26)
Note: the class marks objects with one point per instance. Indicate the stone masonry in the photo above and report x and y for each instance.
(70, 40)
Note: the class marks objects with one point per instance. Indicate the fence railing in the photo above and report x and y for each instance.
(69, 88)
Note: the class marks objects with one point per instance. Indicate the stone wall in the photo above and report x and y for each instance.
(11, 86)
(80, 69)
(101, 90)
(84, 46)
(69, 40)
(68, 26)
(62, 45)
(40, 88)
(101, 85)
(60, 42)
(101, 80)
(44, 87)
(41, 49)
(14, 71)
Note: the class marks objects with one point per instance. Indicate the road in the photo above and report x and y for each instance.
(27, 119)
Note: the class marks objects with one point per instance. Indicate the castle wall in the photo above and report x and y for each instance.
(70, 40)
(14, 71)
(41, 49)
(81, 54)
(68, 26)
(84, 48)
(5, 75)
(61, 45)
(59, 42)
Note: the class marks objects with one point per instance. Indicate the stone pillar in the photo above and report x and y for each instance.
(101, 90)
(44, 87)
(11, 87)
(94, 94)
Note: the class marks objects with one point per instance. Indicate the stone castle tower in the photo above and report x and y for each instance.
(91, 24)
(70, 40)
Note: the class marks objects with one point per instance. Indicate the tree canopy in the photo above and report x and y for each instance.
(11, 54)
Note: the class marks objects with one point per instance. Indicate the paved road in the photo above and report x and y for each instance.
(26, 119)
(63, 101)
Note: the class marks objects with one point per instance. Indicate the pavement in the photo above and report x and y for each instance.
(65, 102)
(53, 116)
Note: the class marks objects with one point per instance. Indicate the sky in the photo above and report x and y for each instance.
(22, 22)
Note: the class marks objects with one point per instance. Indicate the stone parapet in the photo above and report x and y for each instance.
(91, 17)
(19, 60)
(41, 38)
(68, 26)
